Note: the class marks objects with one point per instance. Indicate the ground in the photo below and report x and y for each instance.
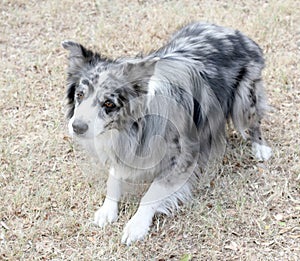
(250, 211)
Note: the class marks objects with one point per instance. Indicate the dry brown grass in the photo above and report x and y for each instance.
(251, 211)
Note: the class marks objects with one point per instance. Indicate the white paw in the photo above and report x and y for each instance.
(108, 213)
(136, 229)
(261, 152)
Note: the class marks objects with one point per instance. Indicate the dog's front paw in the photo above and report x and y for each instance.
(261, 152)
(136, 229)
(108, 213)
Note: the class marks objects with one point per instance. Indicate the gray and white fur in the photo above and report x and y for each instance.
(160, 118)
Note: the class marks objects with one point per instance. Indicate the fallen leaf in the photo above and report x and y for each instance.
(186, 257)
(279, 217)
(4, 225)
(232, 246)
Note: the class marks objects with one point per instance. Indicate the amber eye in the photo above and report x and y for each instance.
(109, 104)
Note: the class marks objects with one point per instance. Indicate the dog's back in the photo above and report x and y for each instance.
(224, 57)
(221, 69)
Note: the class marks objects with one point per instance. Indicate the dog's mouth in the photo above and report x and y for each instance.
(80, 136)
(87, 136)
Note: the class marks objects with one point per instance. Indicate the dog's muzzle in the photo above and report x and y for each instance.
(79, 126)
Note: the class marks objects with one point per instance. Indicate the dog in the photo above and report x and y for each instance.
(160, 118)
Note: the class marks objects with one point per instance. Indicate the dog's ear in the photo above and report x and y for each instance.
(79, 57)
(140, 72)
(141, 69)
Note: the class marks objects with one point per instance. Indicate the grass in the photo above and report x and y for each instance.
(250, 211)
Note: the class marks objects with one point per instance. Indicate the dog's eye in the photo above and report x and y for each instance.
(109, 104)
(79, 96)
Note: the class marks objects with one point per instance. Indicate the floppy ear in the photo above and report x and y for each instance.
(139, 73)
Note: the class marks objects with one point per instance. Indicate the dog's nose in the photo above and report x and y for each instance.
(79, 126)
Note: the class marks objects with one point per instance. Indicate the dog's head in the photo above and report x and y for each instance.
(101, 92)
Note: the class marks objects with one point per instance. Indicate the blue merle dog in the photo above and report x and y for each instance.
(160, 118)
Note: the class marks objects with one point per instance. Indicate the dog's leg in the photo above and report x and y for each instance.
(161, 197)
(248, 110)
(258, 102)
(108, 212)
(259, 147)
(139, 225)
